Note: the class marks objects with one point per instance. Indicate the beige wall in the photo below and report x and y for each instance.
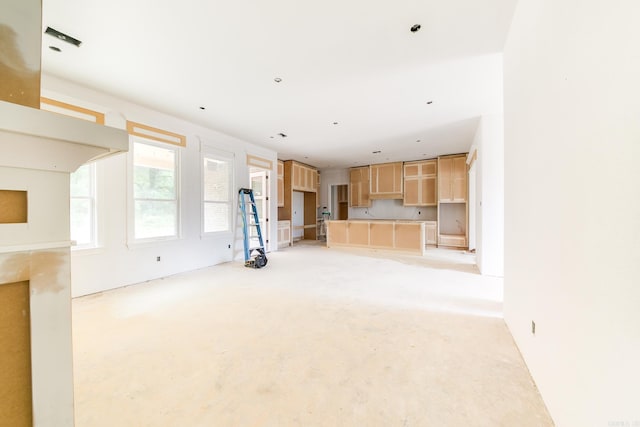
(572, 205)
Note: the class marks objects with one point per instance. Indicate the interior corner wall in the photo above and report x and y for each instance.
(572, 205)
(489, 142)
(329, 177)
(116, 262)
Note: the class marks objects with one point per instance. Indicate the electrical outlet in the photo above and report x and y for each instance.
(158, 259)
(533, 327)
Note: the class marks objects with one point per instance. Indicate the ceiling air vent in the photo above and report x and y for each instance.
(62, 36)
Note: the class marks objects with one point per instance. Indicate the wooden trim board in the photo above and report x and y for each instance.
(259, 162)
(97, 116)
(156, 134)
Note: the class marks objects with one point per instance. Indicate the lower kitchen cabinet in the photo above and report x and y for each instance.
(284, 234)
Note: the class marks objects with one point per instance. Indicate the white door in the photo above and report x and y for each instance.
(260, 187)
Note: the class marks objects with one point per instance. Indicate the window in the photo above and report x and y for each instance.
(155, 191)
(217, 194)
(83, 206)
(83, 218)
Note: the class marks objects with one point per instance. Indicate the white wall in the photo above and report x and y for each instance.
(117, 263)
(329, 177)
(489, 197)
(572, 205)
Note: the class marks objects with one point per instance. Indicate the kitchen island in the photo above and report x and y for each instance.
(397, 235)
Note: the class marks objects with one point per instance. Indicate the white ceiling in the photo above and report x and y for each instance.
(354, 62)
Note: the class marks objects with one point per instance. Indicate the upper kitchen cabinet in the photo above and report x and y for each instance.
(359, 187)
(386, 181)
(420, 183)
(452, 179)
(304, 178)
(280, 183)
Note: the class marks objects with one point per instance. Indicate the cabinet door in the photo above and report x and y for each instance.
(412, 192)
(364, 199)
(428, 191)
(354, 187)
(316, 188)
(311, 179)
(280, 184)
(430, 167)
(295, 176)
(459, 179)
(359, 187)
(412, 170)
(444, 179)
(431, 233)
(386, 180)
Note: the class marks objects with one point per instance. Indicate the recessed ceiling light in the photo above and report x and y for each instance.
(415, 28)
(376, 152)
(55, 48)
(429, 102)
(277, 80)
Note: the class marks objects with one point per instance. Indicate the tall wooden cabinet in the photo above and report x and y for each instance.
(302, 178)
(452, 179)
(359, 187)
(452, 201)
(420, 183)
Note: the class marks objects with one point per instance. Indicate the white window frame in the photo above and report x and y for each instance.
(132, 240)
(93, 199)
(208, 152)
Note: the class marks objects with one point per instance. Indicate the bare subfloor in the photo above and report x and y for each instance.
(319, 337)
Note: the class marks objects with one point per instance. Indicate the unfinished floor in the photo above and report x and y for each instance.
(320, 337)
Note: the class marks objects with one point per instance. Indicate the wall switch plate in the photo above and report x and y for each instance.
(158, 259)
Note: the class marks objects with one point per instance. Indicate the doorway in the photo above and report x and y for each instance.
(260, 185)
(339, 202)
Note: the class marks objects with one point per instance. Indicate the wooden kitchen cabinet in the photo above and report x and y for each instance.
(280, 183)
(284, 234)
(452, 179)
(386, 181)
(317, 189)
(300, 178)
(452, 201)
(420, 180)
(431, 232)
(304, 178)
(359, 187)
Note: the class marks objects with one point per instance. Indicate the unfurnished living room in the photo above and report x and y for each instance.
(331, 214)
